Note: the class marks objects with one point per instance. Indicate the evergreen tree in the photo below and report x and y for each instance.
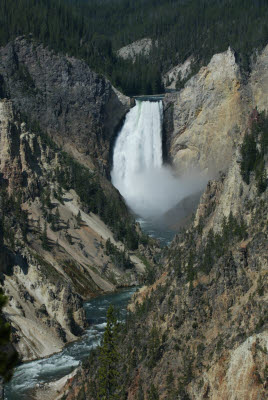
(79, 219)
(38, 225)
(1, 231)
(44, 238)
(261, 177)
(254, 150)
(249, 154)
(57, 219)
(107, 378)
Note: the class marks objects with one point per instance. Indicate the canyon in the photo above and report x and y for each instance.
(208, 324)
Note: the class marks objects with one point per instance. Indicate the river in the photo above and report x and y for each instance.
(50, 369)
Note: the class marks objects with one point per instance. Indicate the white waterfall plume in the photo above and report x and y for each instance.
(149, 188)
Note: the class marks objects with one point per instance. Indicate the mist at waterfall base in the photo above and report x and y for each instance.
(149, 187)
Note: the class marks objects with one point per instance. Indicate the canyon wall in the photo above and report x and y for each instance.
(78, 108)
(206, 120)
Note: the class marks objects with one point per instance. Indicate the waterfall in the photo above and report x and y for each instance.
(138, 173)
(149, 187)
(139, 145)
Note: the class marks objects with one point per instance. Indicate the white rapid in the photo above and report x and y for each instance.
(149, 188)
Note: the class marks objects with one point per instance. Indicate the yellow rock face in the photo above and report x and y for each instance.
(211, 113)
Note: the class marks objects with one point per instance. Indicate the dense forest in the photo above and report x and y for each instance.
(95, 29)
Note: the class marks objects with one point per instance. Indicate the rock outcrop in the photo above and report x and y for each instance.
(141, 47)
(78, 108)
(258, 81)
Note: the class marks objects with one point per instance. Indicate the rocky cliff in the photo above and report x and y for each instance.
(78, 108)
(206, 118)
(178, 74)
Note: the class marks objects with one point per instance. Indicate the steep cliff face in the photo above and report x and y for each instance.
(78, 108)
(210, 112)
(53, 253)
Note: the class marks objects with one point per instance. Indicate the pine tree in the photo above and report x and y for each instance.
(107, 377)
(57, 219)
(1, 231)
(249, 155)
(78, 219)
(53, 225)
(261, 177)
(44, 238)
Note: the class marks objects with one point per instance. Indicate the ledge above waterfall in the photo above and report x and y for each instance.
(153, 97)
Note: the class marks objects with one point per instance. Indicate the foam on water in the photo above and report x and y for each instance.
(101, 326)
